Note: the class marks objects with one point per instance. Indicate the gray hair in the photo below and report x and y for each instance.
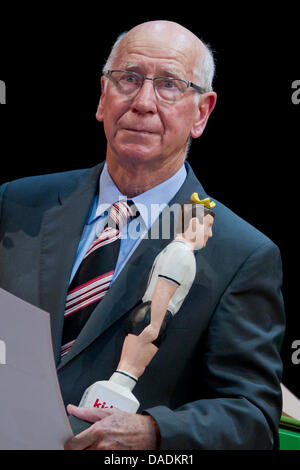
(108, 65)
(206, 69)
(204, 72)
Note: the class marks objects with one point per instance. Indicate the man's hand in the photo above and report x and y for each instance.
(114, 429)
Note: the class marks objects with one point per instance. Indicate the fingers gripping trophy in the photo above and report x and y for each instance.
(171, 277)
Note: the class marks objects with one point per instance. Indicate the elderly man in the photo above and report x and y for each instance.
(215, 381)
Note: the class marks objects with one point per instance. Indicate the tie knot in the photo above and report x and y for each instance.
(121, 213)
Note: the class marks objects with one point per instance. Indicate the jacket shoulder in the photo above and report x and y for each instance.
(33, 190)
(231, 230)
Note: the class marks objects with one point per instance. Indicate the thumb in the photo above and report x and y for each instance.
(89, 414)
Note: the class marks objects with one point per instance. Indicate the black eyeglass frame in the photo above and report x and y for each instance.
(200, 90)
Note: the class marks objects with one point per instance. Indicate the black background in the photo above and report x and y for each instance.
(51, 61)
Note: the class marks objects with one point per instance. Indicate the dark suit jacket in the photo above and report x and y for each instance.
(215, 381)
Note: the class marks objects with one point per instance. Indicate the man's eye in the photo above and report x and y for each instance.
(129, 78)
(168, 84)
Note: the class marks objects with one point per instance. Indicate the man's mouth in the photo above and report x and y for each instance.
(139, 131)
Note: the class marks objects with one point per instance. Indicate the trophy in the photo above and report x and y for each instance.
(171, 277)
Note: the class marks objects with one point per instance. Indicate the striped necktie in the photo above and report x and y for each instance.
(94, 275)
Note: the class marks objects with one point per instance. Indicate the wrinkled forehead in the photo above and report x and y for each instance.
(163, 44)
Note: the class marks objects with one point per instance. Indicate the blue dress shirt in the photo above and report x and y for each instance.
(149, 204)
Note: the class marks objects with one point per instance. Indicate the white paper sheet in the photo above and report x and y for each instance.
(290, 403)
(32, 413)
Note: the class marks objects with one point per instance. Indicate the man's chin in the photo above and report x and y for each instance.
(137, 155)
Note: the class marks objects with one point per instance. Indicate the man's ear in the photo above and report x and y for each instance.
(205, 107)
(100, 109)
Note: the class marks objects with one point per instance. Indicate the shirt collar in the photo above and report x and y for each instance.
(150, 203)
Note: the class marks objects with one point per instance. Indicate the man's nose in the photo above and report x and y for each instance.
(145, 100)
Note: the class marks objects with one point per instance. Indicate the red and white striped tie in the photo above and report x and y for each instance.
(94, 274)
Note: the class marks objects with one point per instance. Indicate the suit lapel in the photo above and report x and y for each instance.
(61, 232)
(130, 285)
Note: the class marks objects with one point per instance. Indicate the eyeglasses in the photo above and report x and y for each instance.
(167, 88)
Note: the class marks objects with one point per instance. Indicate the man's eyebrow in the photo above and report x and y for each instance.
(170, 73)
(165, 72)
(130, 65)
